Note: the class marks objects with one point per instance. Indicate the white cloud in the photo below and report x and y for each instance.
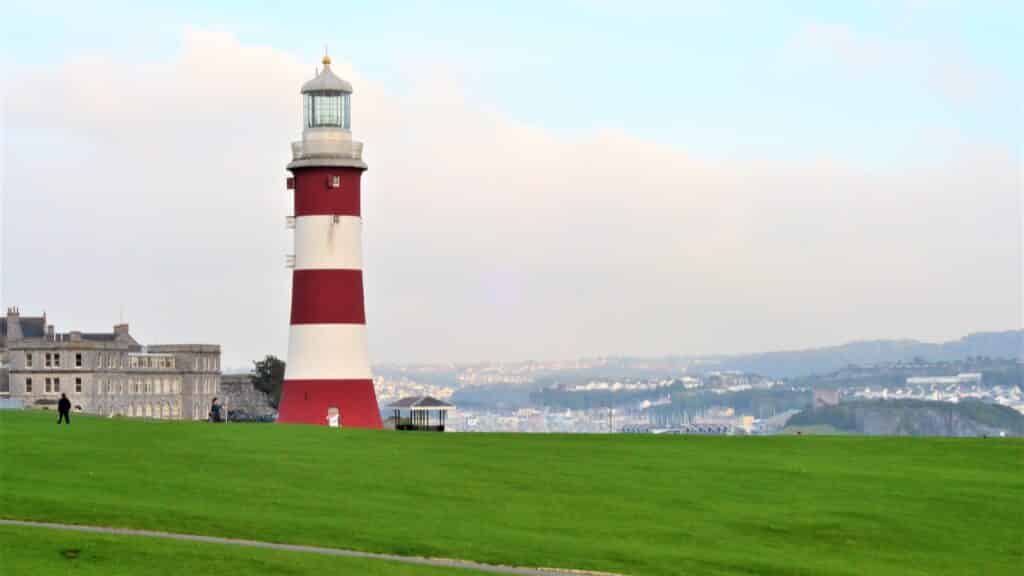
(162, 188)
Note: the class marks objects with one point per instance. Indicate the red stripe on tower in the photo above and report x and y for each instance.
(327, 297)
(327, 378)
(327, 191)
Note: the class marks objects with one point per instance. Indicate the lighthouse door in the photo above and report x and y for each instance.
(334, 417)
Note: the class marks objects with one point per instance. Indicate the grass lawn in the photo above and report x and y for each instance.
(816, 429)
(42, 552)
(640, 504)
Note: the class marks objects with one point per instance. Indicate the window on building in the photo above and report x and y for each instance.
(28, 384)
(56, 384)
(48, 385)
(56, 359)
(28, 359)
(78, 360)
(335, 181)
(78, 385)
(49, 360)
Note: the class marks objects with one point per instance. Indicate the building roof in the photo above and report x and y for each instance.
(175, 348)
(327, 81)
(31, 326)
(99, 336)
(421, 403)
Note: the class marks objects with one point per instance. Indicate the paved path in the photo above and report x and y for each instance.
(436, 562)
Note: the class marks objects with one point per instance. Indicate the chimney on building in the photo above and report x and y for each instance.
(13, 324)
(121, 330)
(49, 332)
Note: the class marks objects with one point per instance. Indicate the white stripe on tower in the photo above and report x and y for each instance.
(325, 242)
(328, 352)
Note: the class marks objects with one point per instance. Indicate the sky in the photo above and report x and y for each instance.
(547, 180)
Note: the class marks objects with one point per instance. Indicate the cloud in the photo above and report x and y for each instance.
(160, 188)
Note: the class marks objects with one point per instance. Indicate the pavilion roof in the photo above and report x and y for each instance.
(421, 403)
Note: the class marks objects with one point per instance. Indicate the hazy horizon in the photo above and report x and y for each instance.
(535, 190)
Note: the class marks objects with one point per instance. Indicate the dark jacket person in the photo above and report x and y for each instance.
(64, 410)
(215, 412)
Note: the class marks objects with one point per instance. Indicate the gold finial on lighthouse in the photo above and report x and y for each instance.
(327, 59)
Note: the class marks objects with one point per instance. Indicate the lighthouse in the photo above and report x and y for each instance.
(327, 378)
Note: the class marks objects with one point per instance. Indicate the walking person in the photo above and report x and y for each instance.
(64, 410)
(215, 411)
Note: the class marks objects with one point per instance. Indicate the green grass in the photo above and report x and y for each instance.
(42, 552)
(815, 429)
(640, 504)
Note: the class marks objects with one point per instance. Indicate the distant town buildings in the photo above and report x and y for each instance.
(962, 378)
(608, 394)
(825, 397)
(104, 373)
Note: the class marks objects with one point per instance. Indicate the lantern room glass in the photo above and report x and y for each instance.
(326, 110)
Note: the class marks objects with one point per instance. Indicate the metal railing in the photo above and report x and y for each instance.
(289, 260)
(289, 222)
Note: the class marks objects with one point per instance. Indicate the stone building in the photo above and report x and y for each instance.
(238, 393)
(106, 373)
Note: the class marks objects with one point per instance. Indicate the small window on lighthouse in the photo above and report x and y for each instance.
(335, 181)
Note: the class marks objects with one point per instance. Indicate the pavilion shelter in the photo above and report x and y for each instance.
(424, 413)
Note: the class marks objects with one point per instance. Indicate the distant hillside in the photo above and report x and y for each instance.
(914, 418)
(796, 363)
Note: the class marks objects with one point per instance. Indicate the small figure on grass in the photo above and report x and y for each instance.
(64, 410)
(216, 412)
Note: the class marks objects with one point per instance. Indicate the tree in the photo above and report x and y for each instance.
(268, 376)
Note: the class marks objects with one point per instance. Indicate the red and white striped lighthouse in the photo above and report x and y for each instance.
(328, 372)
